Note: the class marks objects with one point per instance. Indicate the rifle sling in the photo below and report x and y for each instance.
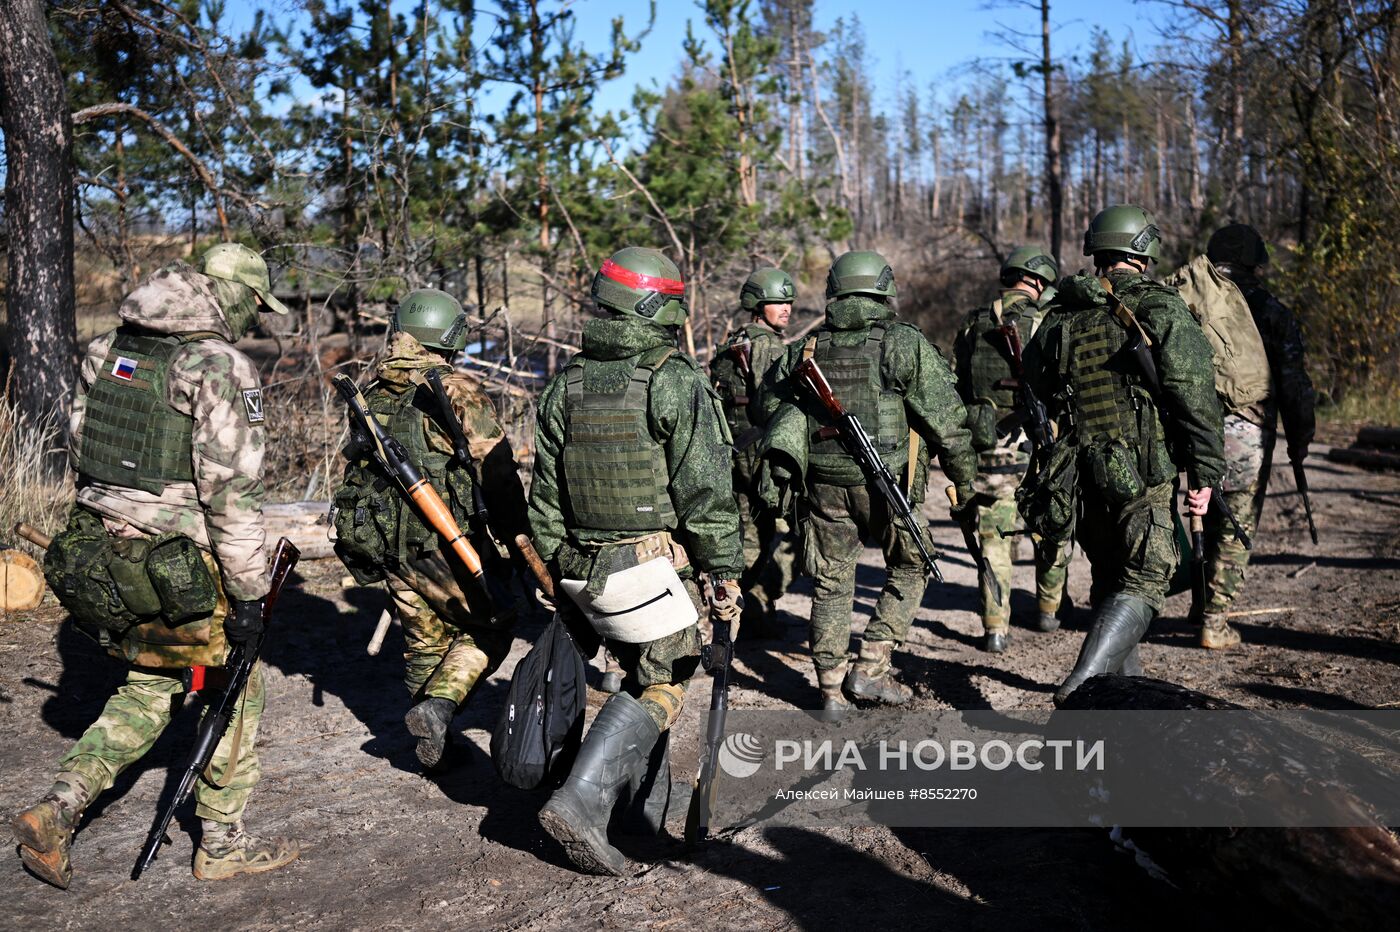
(235, 748)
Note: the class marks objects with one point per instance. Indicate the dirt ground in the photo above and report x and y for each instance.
(386, 848)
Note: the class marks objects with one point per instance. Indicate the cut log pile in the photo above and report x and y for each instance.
(305, 524)
(1375, 448)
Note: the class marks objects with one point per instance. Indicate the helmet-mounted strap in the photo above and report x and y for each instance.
(630, 279)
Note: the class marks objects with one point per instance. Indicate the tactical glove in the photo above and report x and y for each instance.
(965, 511)
(727, 604)
(244, 621)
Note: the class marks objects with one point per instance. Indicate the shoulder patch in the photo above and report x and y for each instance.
(253, 405)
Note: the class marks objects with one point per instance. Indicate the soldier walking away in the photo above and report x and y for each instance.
(452, 640)
(1127, 373)
(628, 502)
(901, 390)
(168, 431)
(987, 374)
(1238, 252)
(737, 371)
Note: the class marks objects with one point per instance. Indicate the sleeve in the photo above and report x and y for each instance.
(222, 391)
(686, 417)
(1283, 342)
(87, 374)
(917, 370)
(776, 386)
(546, 510)
(767, 353)
(1186, 372)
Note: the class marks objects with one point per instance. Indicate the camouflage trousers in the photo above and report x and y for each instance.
(997, 515)
(1249, 453)
(134, 718)
(443, 660)
(838, 520)
(764, 584)
(1132, 549)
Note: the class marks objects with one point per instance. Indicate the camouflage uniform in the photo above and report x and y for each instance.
(684, 415)
(762, 585)
(1250, 436)
(217, 388)
(836, 517)
(1002, 457)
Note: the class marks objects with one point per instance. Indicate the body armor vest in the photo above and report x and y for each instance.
(615, 472)
(132, 436)
(990, 359)
(856, 379)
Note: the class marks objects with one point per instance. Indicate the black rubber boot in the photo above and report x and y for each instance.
(1132, 664)
(647, 798)
(428, 721)
(615, 752)
(1047, 621)
(997, 640)
(1119, 624)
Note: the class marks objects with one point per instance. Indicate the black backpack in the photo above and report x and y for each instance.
(541, 723)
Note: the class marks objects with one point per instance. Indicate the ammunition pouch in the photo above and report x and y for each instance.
(1115, 472)
(982, 422)
(1047, 498)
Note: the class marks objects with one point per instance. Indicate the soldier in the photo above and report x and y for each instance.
(1238, 251)
(983, 362)
(167, 439)
(628, 502)
(1128, 429)
(738, 370)
(452, 641)
(899, 387)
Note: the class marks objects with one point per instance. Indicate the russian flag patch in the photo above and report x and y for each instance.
(124, 368)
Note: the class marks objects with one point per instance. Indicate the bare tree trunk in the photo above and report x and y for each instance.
(1054, 171)
(1193, 155)
(1234, 169)
(41, 339)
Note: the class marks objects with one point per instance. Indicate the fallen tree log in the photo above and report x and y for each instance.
(1323, 878)
(1382, 437)
(305, 524)
(1370, 459)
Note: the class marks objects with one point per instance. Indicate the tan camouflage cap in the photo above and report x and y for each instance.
(234, 262)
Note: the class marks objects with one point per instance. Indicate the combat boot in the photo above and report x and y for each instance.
(428, 721)
(1120, 623)
(997, 640)
(45, 833)
(1216, 633)
(615, 750)
(226, 850)
(872, 678)
(832, 684)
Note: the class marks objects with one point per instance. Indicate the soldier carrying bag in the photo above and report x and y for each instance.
(1241, 363)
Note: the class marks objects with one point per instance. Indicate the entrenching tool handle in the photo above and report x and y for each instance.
(41, 540)
(537, 567)
(381, 631)
(1300, 479)
(1198, 538)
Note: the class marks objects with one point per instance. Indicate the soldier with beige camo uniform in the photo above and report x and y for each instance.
(452, 642)
(163, 559)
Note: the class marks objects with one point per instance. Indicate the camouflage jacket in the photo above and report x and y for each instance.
(1192, 417)
(1293, 393)
(403, 367)
(219, 388)
(912, 366)
(766, 347)
(684, 417)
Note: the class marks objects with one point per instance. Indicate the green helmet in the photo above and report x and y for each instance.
(434, 318)
(1238, 243)
(1125, 228)
(234, 262)
(1033, 260)
(766, 286)
(860, 272)
(642, 283)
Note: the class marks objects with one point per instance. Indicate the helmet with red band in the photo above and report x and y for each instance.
(642, 283)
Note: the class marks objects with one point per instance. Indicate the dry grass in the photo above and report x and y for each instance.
(28, 492)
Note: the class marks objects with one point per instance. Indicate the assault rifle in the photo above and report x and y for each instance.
(715, 657)
(242, 658)
(1139, 346)
(1038, 425)
(393, 459)
(1300, 478)
(860, 446)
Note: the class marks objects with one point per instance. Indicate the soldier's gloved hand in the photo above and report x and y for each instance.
(244, 621)
(965, 511)
(547, 600)
(728, 602)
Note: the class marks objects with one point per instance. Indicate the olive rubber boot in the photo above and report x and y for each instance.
(1216, 633)
(872, 678)
(226, 850)
(1119, 624)
(1048, 621)
(997, 640)
(1132, 664)
(648, 796)
(615, 752)
(833, 697)
(45, 833)
(428, 722)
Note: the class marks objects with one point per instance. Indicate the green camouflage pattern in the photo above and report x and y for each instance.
(233, 262)
(442, 660)
(219, 389)
(999, 514)
(134, 718)
(1133, 549)
(763, 583)
(1249, 451)
(685, 418)
(834, 524)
